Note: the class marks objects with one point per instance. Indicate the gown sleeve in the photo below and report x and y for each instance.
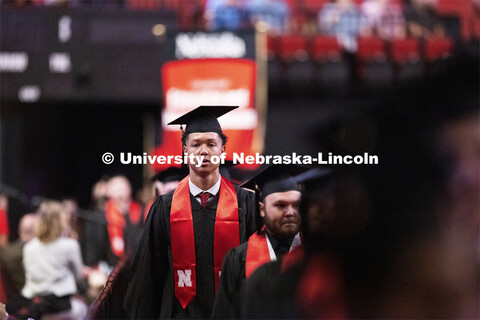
(226, 305)
(143, 299)
(257, 297)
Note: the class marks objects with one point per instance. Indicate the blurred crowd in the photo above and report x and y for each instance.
(346, 19)
(64, 255)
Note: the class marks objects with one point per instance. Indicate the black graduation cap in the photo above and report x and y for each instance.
(276, 178)
(203, 119)
(312, 174)
(170, 174)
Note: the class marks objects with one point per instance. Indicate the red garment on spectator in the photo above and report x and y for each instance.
(4, 223)
(116, 223)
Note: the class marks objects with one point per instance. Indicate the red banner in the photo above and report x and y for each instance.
(188, 84)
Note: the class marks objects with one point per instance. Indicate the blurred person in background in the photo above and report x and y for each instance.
(4, 229)
(3, 312)
(275, 13)
(163, 182)
(167, 180)
(226, 15)
(124, 217)
(384, 19)
(342, 19)
(92, 229)
(53, 266)
(99, 194)
(70, 210)
(422, 20)
(11, 261)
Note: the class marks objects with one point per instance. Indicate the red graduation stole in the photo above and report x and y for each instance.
(226, 236)
(320, 291)
(116, 223)
(257, 252)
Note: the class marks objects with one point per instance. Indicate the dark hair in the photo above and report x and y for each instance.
(222, 136)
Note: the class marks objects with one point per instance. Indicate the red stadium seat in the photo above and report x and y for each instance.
(272, 44)
(405, 50)
(464, 10)
(371, 49)
(437, 48)
(372, 67)
(292, 47)
(324, 48)
(476, 27)
(314, 6)
(143, 4)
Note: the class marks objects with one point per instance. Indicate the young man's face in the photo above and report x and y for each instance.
(206, 145)
(281, 215)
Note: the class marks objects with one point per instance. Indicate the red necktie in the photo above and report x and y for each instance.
(204, 196)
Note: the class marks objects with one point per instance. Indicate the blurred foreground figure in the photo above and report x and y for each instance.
(442, 263)
(405, 239)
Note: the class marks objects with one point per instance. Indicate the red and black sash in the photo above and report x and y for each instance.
(257, 252)
(116, 223)
(226, 236)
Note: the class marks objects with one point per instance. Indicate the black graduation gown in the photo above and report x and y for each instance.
(270, 293)
(232, 280)
(151, 293)
(310, 289)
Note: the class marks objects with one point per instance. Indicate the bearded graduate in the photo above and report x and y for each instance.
(277, 233)
(188, 231)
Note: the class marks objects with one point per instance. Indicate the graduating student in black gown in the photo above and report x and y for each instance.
(279, 196)
(178, 261)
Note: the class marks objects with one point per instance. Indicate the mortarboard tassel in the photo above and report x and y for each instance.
(258, 218)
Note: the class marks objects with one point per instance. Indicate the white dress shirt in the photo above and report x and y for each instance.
(196, 190)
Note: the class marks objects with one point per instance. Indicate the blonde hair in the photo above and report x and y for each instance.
(51, 221)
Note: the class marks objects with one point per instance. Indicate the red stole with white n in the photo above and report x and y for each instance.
(226, 236)
(257, 252)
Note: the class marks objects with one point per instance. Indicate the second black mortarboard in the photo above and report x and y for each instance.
(203, 119)
(275, 178)
(170, 174)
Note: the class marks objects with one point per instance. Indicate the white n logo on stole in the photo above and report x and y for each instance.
(184, 278)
